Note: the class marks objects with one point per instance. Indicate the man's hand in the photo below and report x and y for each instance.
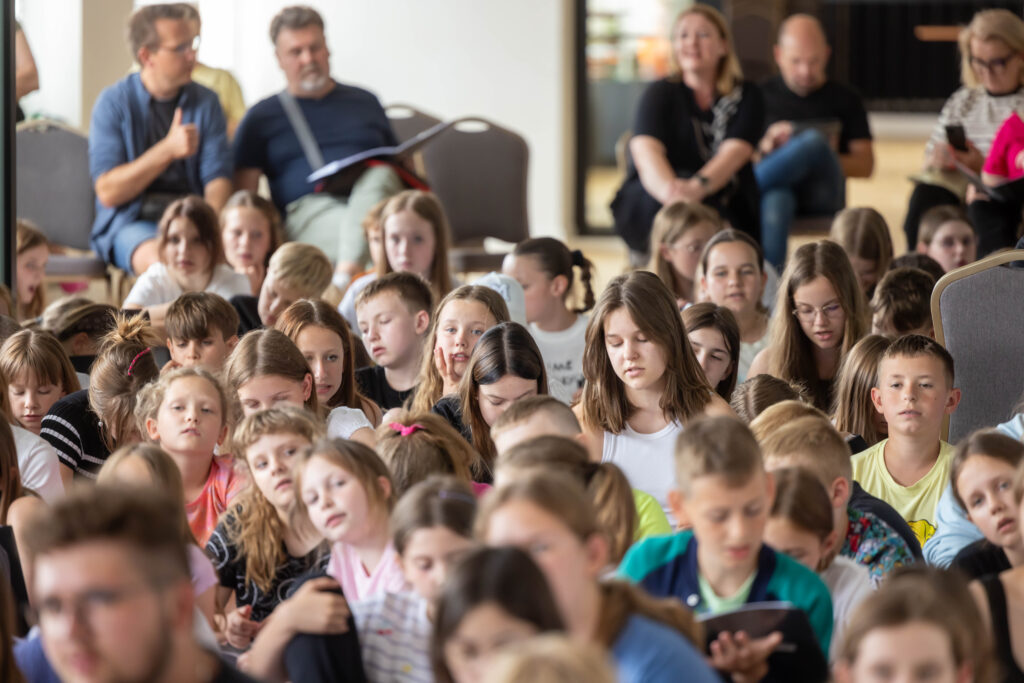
(182, 139)
(776, 136)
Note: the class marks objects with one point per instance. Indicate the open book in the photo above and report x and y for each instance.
(405, 149)
(797, 658)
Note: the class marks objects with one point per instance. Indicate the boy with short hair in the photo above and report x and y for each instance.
(201, 330)
(902, 304)
(296, 271)
(914, 392)
(812, 443)
(721, 563)
(393, 313)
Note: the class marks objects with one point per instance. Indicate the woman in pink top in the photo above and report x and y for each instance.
(1005, 160)
(346, 491)
(185, 412)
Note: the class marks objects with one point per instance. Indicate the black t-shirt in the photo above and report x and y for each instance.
(373, 384)
(831, 101)
(74, 432)
(450, 408)
(230, 566)
(862, 501)
(981, 558)
(174, 179)
(248, 310)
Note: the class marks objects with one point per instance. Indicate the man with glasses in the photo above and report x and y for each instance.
(154, 136)
(111, 583)
(315, 120)
(817, 136)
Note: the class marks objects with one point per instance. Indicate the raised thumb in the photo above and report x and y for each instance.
(176, 121)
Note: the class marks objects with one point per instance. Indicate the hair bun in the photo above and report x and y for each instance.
(133, 329)
(577, 258)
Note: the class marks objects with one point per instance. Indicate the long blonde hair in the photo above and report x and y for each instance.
(427, 206)
(791, 353)
(653, 309)
(670, 223)
(430, 385)
(30, 237)
(986, 25)
(852, 410)
(730, 73)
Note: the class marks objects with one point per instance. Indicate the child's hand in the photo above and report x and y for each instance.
(170, 365)
(315, 608)
(255, 273)
(448, 377)
(744, 658)
(240, 629)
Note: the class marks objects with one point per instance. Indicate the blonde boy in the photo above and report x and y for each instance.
(394, 316)
(909, 470)
(812, 443)
(296, 271)
(719, 565)
(201, 330)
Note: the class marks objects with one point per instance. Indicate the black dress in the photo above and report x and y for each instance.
(669, 112)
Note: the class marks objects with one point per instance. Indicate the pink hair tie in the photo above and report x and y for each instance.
(403, 430)
(140, 354)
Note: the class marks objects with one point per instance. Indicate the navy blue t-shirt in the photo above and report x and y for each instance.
(345, 121)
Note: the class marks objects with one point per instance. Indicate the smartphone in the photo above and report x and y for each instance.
(956, 137)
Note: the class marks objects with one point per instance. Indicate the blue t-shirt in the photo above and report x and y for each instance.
(649, 652)
(117, 135)
(31, 660)
(345, 121)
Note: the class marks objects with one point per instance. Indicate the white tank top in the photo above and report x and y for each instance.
(647, 460)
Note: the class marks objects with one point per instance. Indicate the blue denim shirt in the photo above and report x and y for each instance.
(117, 136)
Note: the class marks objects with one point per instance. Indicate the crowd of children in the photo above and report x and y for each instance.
(706, 470)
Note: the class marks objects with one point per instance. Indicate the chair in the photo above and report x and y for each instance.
(54, 191)
(478, 170)
(408, 121)
(978, 318)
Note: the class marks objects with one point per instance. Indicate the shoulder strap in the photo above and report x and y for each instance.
(310, 149)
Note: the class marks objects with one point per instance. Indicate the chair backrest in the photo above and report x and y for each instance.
(408, 121)
(479, 170)
(53, 186)
(978, 317)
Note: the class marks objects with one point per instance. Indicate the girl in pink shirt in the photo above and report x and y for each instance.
(185, 412)
(346, 491)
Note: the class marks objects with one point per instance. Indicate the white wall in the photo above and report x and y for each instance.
(507, 61)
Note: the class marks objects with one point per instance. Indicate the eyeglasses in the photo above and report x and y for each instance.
(807, 314)
(187, 46)
(689, 247)
(995, 65)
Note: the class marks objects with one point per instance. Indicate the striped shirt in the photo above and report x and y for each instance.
(394, 637)
(74, 432)
(980, 113)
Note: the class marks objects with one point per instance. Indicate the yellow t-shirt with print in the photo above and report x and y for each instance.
(915, 503)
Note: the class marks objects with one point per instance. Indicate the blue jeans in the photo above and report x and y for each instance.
(803, 176)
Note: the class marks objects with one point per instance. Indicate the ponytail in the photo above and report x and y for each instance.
(553, 258)
(620, 601)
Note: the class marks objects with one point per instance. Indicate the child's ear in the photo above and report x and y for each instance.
(922, 248)
(421, 322)
(231, 342)
(169, 344)
(307, 386)
(559, 284)
(151, 431)
(385, 486)
(829, 544)
(677, 504)
(223, 435)
(665, 250)
(876, 399)
(839, 492)
(596, 548)
(952, 401)
(769, 487)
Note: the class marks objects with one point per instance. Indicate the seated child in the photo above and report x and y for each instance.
(415, 446)
(296, 271)
(678, 235)
(914, 259)
(251, 231)
(191, 260)
(947, 236)
(812, 443)
(201, 329)
(721, 563)
(982, 477)
(38, 374)
(902, 304)
(853, 412)
(394, 318)
(864, 235)
(186, 413)
(537, 416)
(259, 546)
(715, 339)
(32, 255)
(909, 470)
(801, 526)
(920, 621)
(79, 325)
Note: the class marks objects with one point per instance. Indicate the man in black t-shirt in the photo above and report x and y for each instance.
(816, 136)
